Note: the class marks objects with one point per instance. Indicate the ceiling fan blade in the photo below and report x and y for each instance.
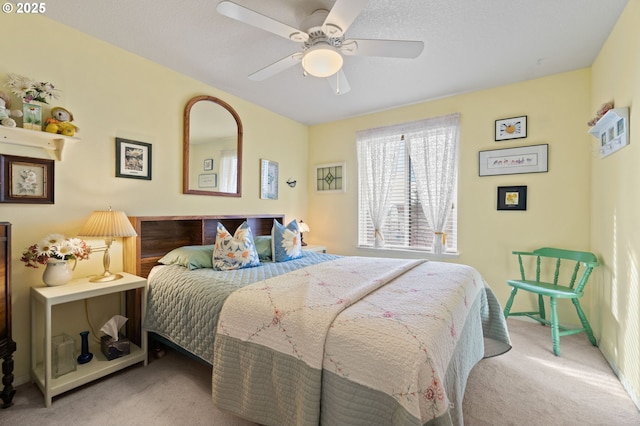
(276, 67)
(339, 83)
(248, 16)
(386, 48)
(342, 15)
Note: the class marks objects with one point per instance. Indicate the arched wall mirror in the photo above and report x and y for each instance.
(212, 148)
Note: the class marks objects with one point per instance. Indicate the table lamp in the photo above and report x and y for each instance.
(302, 227)
(109, 225)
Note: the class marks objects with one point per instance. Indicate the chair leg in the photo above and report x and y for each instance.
(555, 332)
(507, 307)
(585, 323)
(543, 315)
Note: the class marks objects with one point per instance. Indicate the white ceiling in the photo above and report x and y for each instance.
(469, 45)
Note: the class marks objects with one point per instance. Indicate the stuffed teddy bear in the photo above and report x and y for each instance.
(60, 122)
(6, 113)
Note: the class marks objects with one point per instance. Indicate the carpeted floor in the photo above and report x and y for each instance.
(526, 386)
(530, 386)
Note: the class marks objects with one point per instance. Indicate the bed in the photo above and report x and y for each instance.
(323, 339)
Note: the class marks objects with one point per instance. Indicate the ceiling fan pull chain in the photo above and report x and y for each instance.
(337, 83)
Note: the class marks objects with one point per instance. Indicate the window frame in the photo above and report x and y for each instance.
(408, 202)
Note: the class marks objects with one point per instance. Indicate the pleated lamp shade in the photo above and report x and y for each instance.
(108, 224)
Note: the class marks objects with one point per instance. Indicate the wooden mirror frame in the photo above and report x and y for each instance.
(185, 148)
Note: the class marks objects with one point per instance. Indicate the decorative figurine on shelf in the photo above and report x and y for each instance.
(6, 113)
(60, 122)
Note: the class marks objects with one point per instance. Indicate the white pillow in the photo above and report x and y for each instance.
(234, 252)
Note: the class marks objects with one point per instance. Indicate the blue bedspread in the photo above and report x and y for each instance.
(183, 306)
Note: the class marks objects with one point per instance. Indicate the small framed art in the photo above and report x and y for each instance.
(133, 159)
(511, 128)
(26, 180)
(511, 161)
(512, 198)
(208, 180)
(208, 164)
(268, 180)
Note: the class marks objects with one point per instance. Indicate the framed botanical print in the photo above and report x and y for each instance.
(511, 128)
(512, 198)
(268, 180)
(26, 180)
(133, 159)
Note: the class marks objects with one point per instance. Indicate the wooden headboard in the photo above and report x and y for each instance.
(158, 235)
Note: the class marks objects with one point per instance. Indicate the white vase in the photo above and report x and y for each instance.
(57, 272)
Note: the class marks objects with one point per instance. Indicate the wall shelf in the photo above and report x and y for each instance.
(51, 142)
(612, 131)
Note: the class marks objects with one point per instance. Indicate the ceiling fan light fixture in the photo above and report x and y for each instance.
(322, 60)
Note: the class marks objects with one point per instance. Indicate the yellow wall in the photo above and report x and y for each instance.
(615, 205)
(557, 214)
(114, 93)
(582, 202)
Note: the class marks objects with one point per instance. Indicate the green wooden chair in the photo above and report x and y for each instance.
(572, 290)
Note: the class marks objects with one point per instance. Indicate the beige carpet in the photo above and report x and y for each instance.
(530, 386)
(526, 386)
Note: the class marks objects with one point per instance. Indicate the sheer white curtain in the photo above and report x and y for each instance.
(228, 171)
(378, 152)
(433, 149)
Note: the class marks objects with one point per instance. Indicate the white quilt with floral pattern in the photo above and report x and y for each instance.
(390, 326)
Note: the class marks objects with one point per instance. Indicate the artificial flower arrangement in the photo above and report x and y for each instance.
(30, 90)
(55, 246)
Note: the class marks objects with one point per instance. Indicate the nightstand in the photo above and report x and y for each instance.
(320, 249)
(99, 366)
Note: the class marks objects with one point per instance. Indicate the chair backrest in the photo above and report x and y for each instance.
(589, 260)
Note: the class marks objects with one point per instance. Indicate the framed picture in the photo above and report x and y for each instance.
(512, 198)
(208, 180)
(208, 164)
(268, 180)
(330, 178)
(133, 159)
(510, 161)
(511, 128)
(26, 180)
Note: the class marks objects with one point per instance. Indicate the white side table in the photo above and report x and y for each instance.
(99, 366)
(321, 249)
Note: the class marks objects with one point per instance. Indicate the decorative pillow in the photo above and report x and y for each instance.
(234, 252)
(263, 246)
(192, 257)
(285, 242)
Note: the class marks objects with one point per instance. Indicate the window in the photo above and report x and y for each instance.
(408, 186)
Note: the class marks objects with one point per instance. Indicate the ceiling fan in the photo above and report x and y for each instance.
(323, 41)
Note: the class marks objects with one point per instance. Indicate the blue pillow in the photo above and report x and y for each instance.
(234, 252)
(285, 242)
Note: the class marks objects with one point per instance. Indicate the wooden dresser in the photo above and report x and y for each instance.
(7, 346)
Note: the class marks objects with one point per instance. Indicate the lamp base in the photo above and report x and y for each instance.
(105, 278)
